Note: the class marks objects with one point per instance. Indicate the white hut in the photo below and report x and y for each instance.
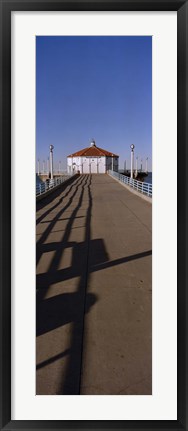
(92, 160)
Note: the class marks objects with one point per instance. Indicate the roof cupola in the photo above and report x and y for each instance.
(92, 144)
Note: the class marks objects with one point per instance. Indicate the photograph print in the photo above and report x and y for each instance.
(93, 215)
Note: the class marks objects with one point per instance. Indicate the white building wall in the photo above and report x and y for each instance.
(74, 164)
(93, 165)
(97, 165)
(69, 165)
(86, 165)
(102, 165)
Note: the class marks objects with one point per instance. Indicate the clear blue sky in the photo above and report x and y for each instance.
(94, 87)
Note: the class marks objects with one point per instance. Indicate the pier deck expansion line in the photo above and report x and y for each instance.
(94, 328)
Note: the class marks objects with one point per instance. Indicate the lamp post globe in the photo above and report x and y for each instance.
(132, 147)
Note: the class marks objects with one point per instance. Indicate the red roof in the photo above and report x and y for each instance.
(92, 151)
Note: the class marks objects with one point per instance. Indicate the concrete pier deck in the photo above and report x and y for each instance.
(94, 306)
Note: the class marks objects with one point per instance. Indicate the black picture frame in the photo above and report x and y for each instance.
(6, 7)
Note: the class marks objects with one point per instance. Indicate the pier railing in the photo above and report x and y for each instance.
(43, 187)
(139, 186)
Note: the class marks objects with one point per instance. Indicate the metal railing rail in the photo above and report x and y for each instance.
(139, 186)
(50, 184)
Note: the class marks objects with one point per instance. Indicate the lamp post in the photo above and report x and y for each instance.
(146, 165)
(48, 167)
(59, 166)
(141, 166)
(125, 166)
(43, 169)
(136, 173)
(51, 161)
(38, 167)
(112, 162)
(132, 159)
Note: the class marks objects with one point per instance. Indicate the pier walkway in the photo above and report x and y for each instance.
(93, 284)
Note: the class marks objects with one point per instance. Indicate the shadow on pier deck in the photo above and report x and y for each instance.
(93, 290)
